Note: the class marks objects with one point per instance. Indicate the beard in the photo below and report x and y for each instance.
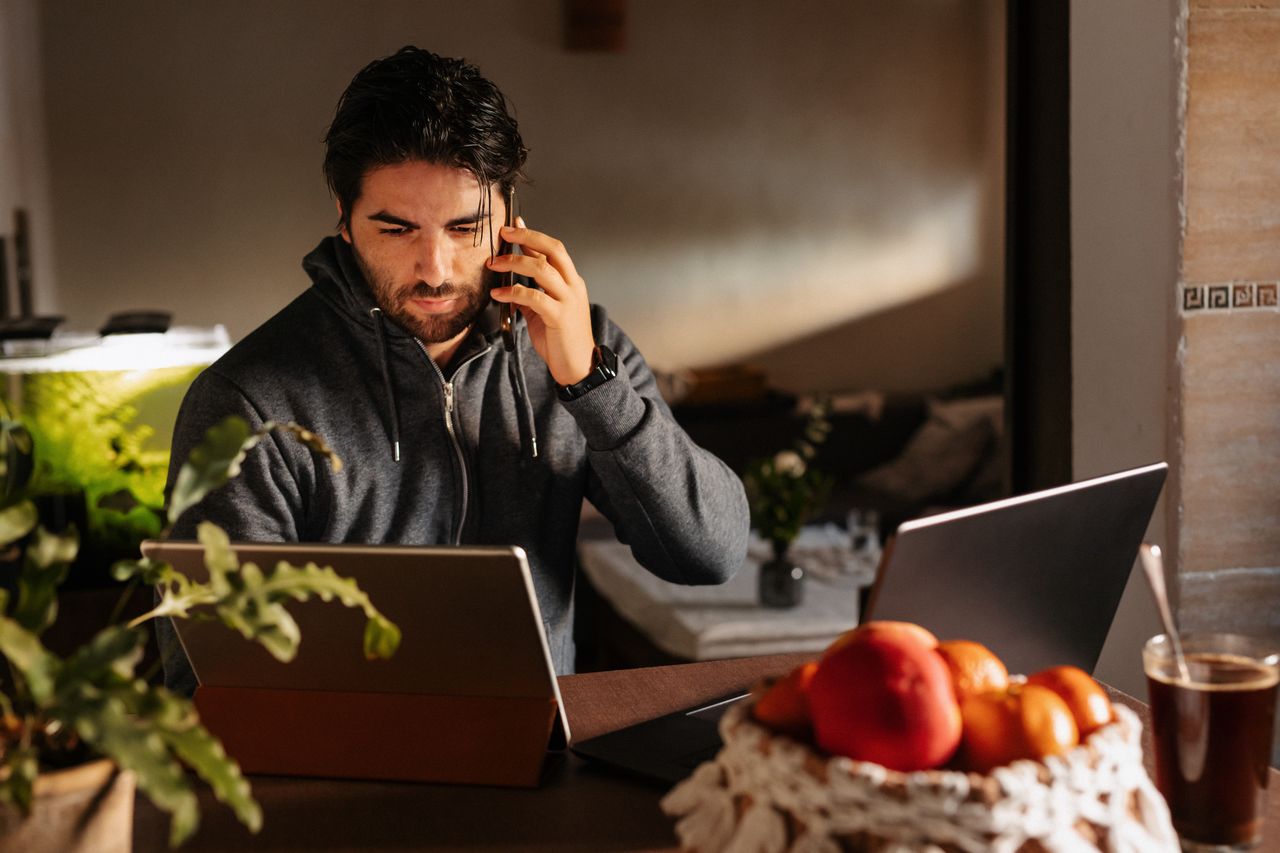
(394, 300)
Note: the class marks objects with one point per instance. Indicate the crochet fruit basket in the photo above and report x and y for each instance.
(769, 793)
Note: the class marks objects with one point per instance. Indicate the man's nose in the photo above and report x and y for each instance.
(434, 260)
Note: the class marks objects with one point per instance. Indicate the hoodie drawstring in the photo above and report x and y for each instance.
(378, 320)
(524, 409)
(515, 372)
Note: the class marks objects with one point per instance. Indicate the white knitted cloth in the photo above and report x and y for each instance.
(767, 793)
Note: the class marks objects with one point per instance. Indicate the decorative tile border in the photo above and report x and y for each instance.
(1232, 296)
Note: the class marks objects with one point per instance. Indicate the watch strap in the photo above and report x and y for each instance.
(604, 366)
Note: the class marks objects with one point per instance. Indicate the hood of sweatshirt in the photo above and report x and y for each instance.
(336, 278)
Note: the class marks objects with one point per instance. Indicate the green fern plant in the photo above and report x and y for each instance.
(88, 442)
(58, 711)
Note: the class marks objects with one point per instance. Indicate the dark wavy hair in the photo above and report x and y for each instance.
(416, 105)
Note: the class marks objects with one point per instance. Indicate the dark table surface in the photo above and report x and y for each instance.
(578, 806)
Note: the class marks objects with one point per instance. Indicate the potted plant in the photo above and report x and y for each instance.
(80, 730)
(783, 491)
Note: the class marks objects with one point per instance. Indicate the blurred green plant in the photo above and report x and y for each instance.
(60, 711)
(83, 425)
(784, 490)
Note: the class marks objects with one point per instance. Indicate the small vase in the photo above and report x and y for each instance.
(781, 580)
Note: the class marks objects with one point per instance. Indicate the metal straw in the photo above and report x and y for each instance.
(1153, 566)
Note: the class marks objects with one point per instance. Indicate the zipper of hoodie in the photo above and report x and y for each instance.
(452, 430)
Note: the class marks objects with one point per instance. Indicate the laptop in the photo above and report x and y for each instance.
(1037, 578)
(471, 688)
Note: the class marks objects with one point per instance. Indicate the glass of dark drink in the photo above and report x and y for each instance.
(1212, 728)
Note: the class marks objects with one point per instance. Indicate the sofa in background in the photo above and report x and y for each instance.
(900, 455)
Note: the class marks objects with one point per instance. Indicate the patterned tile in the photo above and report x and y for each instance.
(1192, 297)
(1232, 296)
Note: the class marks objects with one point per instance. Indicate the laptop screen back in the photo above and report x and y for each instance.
(1036, 578)
(469, 619)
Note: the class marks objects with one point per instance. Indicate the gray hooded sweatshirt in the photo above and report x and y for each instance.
(438, 456)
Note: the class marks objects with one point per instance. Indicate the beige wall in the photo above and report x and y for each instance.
(1125, 63)
(23, 147)
(744, 175)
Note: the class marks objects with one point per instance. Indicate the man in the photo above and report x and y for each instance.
(393, 355)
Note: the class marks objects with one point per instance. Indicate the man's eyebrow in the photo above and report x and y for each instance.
(465, 220)
(392, 219)
(383, 216)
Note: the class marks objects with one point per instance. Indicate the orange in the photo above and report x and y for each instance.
(974, 668)
(1025, 721)
(784, 706)
(910, 629)
(1087, 700)
(885, 695)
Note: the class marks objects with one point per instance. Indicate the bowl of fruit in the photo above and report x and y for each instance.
(892, 740)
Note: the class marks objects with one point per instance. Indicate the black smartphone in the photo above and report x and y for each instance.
(507, 311)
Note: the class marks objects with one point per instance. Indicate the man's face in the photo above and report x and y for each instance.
(415, 232)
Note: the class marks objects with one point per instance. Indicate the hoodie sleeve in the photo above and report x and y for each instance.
(264, 503)
(682, 510)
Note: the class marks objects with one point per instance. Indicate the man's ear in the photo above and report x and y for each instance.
(342, 228)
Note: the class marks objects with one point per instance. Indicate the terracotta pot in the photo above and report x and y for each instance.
(84, 808)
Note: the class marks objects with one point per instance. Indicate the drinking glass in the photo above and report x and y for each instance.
(1212, 728)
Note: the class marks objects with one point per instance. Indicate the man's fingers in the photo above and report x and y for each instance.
(535, 300)
(559, 315)
(539, 269)
(543, 244)
(531, 252)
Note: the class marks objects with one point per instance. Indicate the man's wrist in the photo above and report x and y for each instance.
(604, 367)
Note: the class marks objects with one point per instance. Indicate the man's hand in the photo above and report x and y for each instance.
(558, 315)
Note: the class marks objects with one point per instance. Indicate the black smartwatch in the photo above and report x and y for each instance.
(604, 366)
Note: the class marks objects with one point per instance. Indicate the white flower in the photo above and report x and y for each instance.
(789, 462)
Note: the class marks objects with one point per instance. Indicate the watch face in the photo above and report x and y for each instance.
(606, 358)
(603, 368)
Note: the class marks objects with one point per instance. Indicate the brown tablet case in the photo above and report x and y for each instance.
(470, 697)
(474, 740)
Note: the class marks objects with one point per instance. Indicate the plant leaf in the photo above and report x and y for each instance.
(178, 595)
(151, 572)
(214, 461)
(20, 768)
(134, 744)
(252, 603)
(310, 439)
(16, 521)
(36, 664)
(250, 609)
(109, 657)
(148, 730)
(381, 638)
(180, 726)
(48, 556)
(219, 557)
(16, 463)
(50, 549)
